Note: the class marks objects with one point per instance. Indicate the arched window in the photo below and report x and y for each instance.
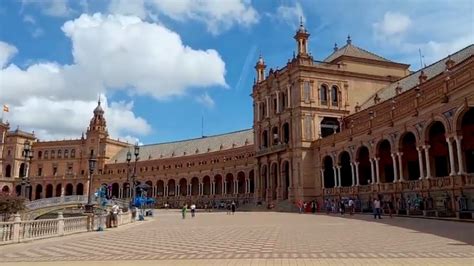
(323, 94)
(40, 154)
(46, 154)
(66, 154)
(265, 139)
(59, 154)
(335, 95)
(73, 153)
(8, 171)
(53, 153)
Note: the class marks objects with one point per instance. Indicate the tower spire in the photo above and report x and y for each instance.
(301, 38)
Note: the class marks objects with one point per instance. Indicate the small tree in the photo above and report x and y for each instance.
(10, 204)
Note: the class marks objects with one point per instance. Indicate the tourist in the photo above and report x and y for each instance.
(193, 210)
(351, 206)
(327, 204)
(300, 206)
(377, 208)
(333, 206)
(228, 208)
(233, 207)
(313, 207)
(304, 206)
(390, 208)
(115, 211)
(342, 207)
(184, 210)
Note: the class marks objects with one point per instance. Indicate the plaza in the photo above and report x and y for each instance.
(257, 238)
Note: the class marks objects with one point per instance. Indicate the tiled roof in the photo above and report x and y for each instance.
(191, 146)
(354, 51)
(409, 82)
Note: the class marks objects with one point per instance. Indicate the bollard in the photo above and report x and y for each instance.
(60, 224)
(16, 227)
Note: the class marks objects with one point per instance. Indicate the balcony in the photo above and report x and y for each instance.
(271, 149)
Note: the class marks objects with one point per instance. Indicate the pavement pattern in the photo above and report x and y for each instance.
(250, 238)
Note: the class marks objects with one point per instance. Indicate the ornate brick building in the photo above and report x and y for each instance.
(352, 125)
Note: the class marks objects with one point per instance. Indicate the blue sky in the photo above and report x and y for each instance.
(161, 65)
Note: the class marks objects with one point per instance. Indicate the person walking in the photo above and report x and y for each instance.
(377, 208)
(115, 211)
(193, 210)
(351, 206)
(327, 206)
(390, 208)
(300, 206)
(342, 207)
(184, 210)
(313, 207)
(233, 206)
(228, 208)
(304, 206)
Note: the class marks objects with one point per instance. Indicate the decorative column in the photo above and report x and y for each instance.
(267, 103)
(420, 162)
(458, 140)
(236, 187)
(224, 187)
(427, 158)
(339, 175)
(322, 178)
(400, 166)
(176, 191)
(213, 188)
(353, 174)
(394, 162)
(165, 191)
(356, 164)
(451, 157)
(289, 96)
(278, 101)
(335, 175)
(377, 172)
(120, 193)
(372, 172)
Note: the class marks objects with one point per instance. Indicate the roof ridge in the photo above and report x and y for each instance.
(197, 138)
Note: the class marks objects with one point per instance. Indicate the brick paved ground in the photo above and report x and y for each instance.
(258, 239)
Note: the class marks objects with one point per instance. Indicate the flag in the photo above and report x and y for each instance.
(5, 108)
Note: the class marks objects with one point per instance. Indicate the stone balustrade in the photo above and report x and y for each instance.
(20, 231)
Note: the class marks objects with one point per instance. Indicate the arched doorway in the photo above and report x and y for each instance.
(195, 186)
(265, 139)
(183, 187)
(8, 171)
(241, 183)
(229, 179)
(438, 152)
(160, 188)
(252, 181)
(285, 180)
(385, 162)
(218, 185)
(149, 189)
(126, 190)
(286, 133)
(346, 169)
(363, 158)
(69, 189)
(115, 190)
(22, 170)
(18, 190)
(467, 128)
(264, 183)
(5, 189)
(38, 191)
(328, 172)
(274, 180)
(49, 191)
(206, 188)
(171, 187)
(410, 164)
(59, 188)
(79, 189)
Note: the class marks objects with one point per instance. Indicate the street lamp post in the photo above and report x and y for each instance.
(129, 158)
(134, 176)
(92, 163)
(27, 154)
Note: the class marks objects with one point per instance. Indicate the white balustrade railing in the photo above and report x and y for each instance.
(19, 231)
(38, 229)
(6, 232)
(75, 224)
(43, 203)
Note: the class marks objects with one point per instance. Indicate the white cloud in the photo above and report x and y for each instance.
(217, 15)
(7, 51)
(206, 100)
(54, 8)
(110, 53)
(128, 7)
(29, 19)
(291, 15)
(393, 26)
(72, 117)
